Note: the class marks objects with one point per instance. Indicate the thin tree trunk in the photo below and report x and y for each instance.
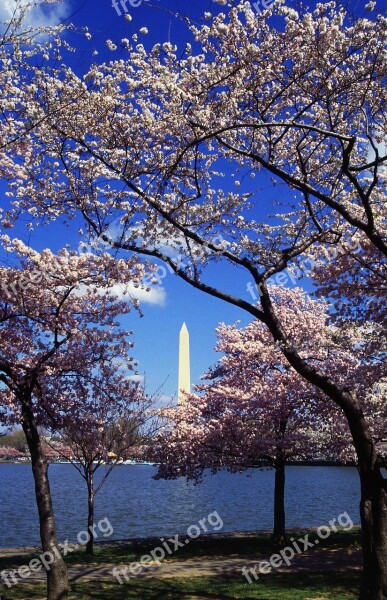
(279, 531)
(90, 512)
(57, 579)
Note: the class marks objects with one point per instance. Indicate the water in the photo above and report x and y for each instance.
(138, 506)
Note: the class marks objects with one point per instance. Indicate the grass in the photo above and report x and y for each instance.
(334, 585)
(290, 586)
(205, 546)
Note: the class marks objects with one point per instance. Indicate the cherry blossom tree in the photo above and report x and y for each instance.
(59, 334)
(255, 111)
(23, 44)
(114, 419)
(376, 407)
(258, 409)
(353, 276)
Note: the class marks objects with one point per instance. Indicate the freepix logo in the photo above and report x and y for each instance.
(262, 5)
(287, 554)
(259, 6)
(168, 547)
(122, 5)
(44, 560)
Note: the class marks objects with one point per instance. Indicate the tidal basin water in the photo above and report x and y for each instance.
(138, 506)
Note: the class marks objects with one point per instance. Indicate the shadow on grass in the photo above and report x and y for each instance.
(213, 545)
(289, 586)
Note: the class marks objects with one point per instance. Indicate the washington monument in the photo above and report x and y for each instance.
(184, 366)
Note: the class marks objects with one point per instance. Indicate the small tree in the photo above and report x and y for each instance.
(113, 419)
(56, 317)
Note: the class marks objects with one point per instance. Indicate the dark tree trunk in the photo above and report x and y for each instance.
(373, 507)
(57, 579)
(90, 513)
(279, 532)
(373, 514)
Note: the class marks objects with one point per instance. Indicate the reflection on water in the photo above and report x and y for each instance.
(138, 506)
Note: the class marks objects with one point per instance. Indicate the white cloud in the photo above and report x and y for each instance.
(382, 150)
(155, 295)
(44, 15)
(135, 378)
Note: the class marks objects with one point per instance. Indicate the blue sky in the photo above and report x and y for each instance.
(156, 333)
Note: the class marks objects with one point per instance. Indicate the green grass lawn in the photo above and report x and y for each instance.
(290, 586)
(337, 585)
(212, 546)
(205, 546)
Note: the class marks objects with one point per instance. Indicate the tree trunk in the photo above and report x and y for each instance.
(373, 514)
(373, 507)
(279, 532)
(57, 579)
(90, 513)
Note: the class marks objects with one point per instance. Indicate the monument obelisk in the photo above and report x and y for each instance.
(184, 366)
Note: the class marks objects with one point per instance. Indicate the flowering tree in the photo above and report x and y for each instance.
(58, 336)
(258, 408)
(298, 100)
(113, 420)
(23, 43)
(377, 407)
